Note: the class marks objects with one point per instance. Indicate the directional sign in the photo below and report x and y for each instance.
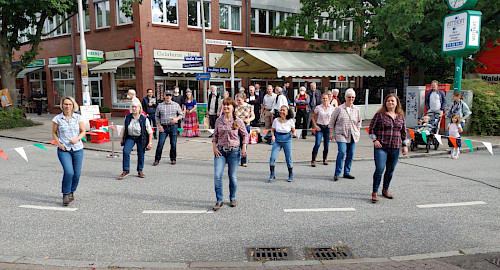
(190, 65)
(217, 70)
(193, 58)
(202, 76)
(218, 42)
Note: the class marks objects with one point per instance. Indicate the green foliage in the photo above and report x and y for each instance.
(485, 118)
(13, 118)
(104, 109)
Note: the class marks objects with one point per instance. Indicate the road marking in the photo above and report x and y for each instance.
(48, 208)
(177, 212)
(449, 204)
(320, 210)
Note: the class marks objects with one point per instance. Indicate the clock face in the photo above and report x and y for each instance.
(461, 4)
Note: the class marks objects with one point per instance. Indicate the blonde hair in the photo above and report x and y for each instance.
(136, 103)
(241, 95)
(75, 105)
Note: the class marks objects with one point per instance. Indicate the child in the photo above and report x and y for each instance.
(454, 130)
(425, 125)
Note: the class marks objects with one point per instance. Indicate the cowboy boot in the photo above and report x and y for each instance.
(290, 174)
(313, 160)
(272, 176)
(325, 158)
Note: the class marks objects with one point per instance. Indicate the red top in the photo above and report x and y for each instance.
(302, 97)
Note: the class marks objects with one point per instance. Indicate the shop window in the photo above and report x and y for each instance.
(230, 17)
(37, 80)
(63, 84)
(121, 17)
(194, 13)
(164, 11)
(125, 80)
(102, 14)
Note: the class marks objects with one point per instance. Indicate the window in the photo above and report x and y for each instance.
(164, 11)
(102, 14)
(230, 17)
(194, 13)
(86, 21)
(264, 21)
(121, 17)
(63, 84)
(52, 22)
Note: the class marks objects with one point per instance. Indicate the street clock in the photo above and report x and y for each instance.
(461, 4)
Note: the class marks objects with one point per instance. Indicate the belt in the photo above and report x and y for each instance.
(268, 110)
(228, 148)
(322, 125)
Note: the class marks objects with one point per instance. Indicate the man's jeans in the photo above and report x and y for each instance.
(325, 134)
(171, 131)
(71, 162)
(232, 159)
(384, 158)
(344, 150)
(127, 149)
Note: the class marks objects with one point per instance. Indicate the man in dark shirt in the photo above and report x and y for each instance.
(177, 97)
(38, 97)
(149, 104)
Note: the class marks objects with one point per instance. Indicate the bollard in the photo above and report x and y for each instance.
(113, 155)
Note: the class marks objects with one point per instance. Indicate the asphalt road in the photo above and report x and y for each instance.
(109, 224)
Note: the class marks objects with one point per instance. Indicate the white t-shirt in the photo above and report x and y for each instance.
(453, 130)
(280, 102)
(285, 127)
(269, 101)
(434, 102)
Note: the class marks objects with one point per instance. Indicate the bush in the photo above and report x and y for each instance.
(485, 118)
(14, 118)
(104, 109)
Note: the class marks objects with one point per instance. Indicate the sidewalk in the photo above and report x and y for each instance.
(200, 148)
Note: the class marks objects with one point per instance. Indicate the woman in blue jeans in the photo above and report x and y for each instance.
(226, 147)
(320, 120)
(388, 133)
(138, 132)
(283, 128)
(67, 130)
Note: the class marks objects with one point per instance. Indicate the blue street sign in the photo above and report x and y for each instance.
(202, 76)
(193, 58)
(190, 65)
(217, 70)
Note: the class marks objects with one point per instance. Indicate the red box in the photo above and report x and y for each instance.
(99, 137)
(97, 123)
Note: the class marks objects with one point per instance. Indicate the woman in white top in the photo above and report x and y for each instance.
(282, 131)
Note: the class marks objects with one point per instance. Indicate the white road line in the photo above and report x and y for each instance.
(48, 208)
(320, 210)
(177, 212)
(449, 204)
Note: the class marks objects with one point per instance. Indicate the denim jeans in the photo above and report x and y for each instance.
(385, 158)
(283, 140)
(244, 159)
(345, 150)
(325, 134)
(232, 159)
(71, 162)
(127, 149)
(167, 131)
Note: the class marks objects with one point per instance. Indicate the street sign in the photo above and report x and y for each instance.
(218, 42)
(193, 58)
(217, 70)
(191, 65)
(202, 76)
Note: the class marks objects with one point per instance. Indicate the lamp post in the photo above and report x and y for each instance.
(83, 53)
(204, 50)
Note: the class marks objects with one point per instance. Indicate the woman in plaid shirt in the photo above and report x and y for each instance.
(244, 111)
(388, 133)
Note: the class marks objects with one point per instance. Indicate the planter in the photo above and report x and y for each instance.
(106, 115)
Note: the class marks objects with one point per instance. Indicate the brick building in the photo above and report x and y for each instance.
(166, 31)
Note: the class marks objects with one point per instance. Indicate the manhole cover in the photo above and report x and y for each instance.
(330, 253)
(269, 254)
(494, 261)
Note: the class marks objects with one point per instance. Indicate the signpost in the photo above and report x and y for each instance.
(217, 70)
(193, 58)
(190, 65)
(218, 42)
(202, 76)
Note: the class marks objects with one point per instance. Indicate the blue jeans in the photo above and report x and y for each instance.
(71, 162)
(325, 134)
(385, 158)
(345, 150)
(167, 131)
(231, 158)
(283, 140)
(127, 149)
(244, 159)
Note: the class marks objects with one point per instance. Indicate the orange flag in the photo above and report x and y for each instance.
(53, 142)
(367, 130)
(3, 155)
(265, 131)
(314, 131)
(453, 141)
(195, 128)
(412, 133)
(113, 127)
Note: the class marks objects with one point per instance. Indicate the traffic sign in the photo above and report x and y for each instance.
(202, 76)
(193, 58)
(190, 65)
(217, 70)
(218, 42)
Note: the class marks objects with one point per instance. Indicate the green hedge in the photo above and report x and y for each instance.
(14, 118)
(485, 118)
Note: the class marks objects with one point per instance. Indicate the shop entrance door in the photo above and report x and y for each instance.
(95, 84)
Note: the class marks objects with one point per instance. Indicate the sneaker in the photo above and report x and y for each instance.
(66, 199)
(217, 206)
(123, 175)
(233, 203)
(244, 165)
(348, 176)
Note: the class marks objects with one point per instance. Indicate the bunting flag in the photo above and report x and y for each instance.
(265, 131)
(333, 132)
(105, 129)
(180, 130)
(53, 142)
(488, 146)
(21, 152)
(40, 146)
(120, 128)
(3, 155)
(299, 133)
(113, 127)
(424, 137)
(412, 133)
(438, 138)
(367, 130)
(92, 133)
(195, 128)
(211, 131)
(469, 144)
(84, 138)
(314, 131)
(453, 141)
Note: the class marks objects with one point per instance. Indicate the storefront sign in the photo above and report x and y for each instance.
(60, 60)
(115, 55)
(191, 65)
(217, 70)
(202, 76)
(176, 55)
(491, 78)
(193, 58)
(461, 33)
(94, 55)
(218, 42)
(37, 63)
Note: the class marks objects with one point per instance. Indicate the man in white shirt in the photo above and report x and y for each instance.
(133, 97)
(279, 101)
(435, 100)
(267, 106)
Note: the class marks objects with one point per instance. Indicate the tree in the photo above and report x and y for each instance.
(398, 32)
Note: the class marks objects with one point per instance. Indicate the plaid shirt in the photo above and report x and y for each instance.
(243, 112)
(391, 133)
(345, 124)
(225, 135)
(165, 112)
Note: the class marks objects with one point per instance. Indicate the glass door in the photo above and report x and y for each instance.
(96, 92)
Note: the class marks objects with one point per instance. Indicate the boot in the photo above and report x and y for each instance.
(66, 199)
(290, 174)
(313, 160)
(325, 158)
(272, 176)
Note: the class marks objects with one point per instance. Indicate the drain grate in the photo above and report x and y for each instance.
(494, 261)
(330, 253)
(269, 254)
